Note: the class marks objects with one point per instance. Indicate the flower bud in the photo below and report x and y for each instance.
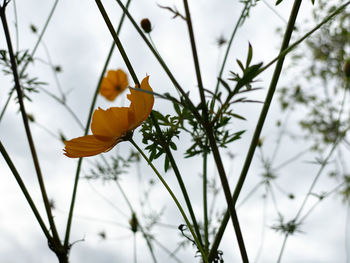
(146, 25)
(30, 117)
(134, 223)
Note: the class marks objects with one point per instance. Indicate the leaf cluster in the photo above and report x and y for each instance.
(111, 171)
(28, 84)
(290, 227)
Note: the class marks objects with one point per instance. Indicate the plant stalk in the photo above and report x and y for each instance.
(258, 129)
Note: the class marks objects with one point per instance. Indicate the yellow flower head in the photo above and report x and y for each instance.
(111, 126)
(113, 84)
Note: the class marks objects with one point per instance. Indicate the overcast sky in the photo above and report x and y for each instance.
(78, 41)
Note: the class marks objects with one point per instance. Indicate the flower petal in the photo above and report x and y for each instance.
(87, 146)
(113, 84)
(141, 103)
(110, 123)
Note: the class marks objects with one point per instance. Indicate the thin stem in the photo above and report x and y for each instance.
(117, 41)
(76, 180)
(65, 105)
(24, 191)
(325, 161)
(16, 24)
(296, 43)
(50, 64)
(229, 46)
(148, 242)
(171, 254)
(292, 159)
(209, 131)
(134, 249)
(196, 60)
(31, 54)
(282, 249)
(26, 125)
(258, 129)
(178, 177)
(205, 202)
(347, 233)
(124, 196)
(282, 132)
(174, 199)
(168, 152)
(323, 165)
(275, 12)
(162, 63)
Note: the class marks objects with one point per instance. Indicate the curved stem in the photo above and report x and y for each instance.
(174, 199)
(178, 176)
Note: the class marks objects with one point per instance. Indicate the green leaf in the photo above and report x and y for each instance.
(240, 64)
(250, 55)
(166, 163)
(225, 85)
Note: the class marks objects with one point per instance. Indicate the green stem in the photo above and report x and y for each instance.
(24, 191)
(178, 177)
(230, 204)
(117, 41)
(257, 132)
(26, 125)
(76, 180)
(132, 72)
(196, 60)
(174, 199)
(210, 133)
(205, 202)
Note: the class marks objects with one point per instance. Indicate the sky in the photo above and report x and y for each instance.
(78, 40)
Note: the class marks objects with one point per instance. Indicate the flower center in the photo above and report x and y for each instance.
(118, 88)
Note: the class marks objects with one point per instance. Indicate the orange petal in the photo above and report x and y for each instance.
(113, 84)
(107, 90)
(141, 103)
(110, 123)
(87, 146)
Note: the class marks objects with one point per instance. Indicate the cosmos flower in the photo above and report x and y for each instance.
(113, 84)
(113, 125)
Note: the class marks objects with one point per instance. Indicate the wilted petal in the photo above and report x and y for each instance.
(87, 146)
(110, 123)
(141, 103)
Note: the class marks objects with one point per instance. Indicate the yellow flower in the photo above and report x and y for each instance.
(113, 84)
(113, 125)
